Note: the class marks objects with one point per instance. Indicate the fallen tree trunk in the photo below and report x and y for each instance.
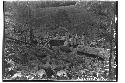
(91, 55)
(94, 52)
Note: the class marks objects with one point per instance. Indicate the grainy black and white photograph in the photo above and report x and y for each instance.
(60, 41)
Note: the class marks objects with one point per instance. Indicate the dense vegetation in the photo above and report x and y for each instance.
(60, 41)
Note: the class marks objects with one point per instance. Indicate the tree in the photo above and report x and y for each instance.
(106, 10)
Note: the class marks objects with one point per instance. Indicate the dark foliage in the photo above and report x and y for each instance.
(56, 42)
(65, 49)
(49, 72)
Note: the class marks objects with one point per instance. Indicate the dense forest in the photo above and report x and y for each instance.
(60, 40)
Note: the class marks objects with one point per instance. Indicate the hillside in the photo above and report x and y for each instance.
(46, 40)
